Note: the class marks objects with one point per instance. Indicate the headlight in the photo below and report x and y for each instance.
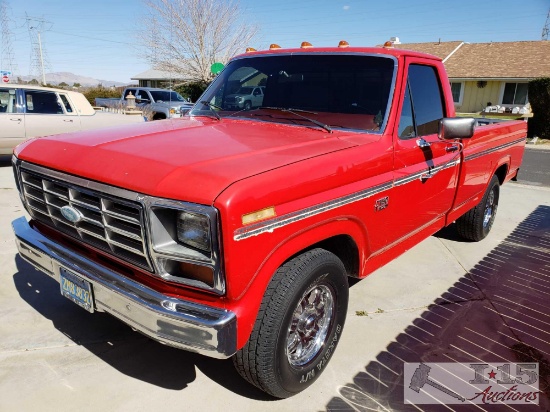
(185, 246)
(194, 230)
(239, 99)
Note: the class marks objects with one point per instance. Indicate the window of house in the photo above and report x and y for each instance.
(423, 99)
(456, 90)
(515, 93)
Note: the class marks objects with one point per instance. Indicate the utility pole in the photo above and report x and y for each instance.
(8, 62)
(39, 60)
(546, 28)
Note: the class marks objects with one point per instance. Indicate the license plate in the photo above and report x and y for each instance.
(75, 288)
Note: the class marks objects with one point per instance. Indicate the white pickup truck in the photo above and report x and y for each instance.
(163, 103)
(33, 111)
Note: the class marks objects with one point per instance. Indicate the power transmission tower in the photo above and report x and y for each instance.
(39, 62)
(8, 62)
(546, 28)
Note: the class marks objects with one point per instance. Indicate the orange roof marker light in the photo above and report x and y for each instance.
(274, 47)
(250, 49)
(306, 45)
(343, 43)
(388, 45)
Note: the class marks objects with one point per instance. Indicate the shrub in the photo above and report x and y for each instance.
(100, 91)
(192, 90)
(539, 97)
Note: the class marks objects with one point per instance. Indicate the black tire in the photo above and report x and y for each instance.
(271, 359)
(477, 222)
(247, 105)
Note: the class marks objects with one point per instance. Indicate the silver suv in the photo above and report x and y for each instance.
(246, 98)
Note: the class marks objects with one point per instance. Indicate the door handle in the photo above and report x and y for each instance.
(16, 120)
(450, 149)
(65, 120)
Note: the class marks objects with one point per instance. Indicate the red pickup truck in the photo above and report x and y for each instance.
(234, 232)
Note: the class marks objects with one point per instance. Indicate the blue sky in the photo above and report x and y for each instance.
(100, 38)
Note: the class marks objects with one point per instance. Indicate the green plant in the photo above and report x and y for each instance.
(539, 97)
(99, 91)
(192, 90)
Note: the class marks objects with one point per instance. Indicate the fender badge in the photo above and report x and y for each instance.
(381, 204)
(71, 214)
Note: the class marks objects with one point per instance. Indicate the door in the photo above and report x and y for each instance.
(12, 131)
(46, 113)
(425, 168)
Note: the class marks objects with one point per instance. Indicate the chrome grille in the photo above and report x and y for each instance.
(107, 223)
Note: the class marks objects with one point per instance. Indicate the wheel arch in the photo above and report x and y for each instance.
(501, 170)
(346, 238)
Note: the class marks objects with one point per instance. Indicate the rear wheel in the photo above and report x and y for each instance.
(299, 325)
(478, 221)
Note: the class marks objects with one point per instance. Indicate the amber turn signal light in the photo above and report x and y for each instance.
(343, 43)
(274, 46)
(250, 49)
(306, 45)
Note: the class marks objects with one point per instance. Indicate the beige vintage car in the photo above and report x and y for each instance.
(33, 111)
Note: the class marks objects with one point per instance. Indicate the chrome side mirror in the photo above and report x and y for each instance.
(456, 128)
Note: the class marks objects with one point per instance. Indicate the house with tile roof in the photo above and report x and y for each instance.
(489, 74)
(157, 78)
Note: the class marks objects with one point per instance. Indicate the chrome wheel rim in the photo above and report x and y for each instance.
(489, 208)
(310, 324)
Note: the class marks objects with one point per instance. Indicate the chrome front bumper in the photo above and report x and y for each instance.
(175, 322)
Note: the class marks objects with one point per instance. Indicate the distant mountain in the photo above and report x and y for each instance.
(70, 79)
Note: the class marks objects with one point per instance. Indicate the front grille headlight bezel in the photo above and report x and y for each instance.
(200, 269)
(172, 257)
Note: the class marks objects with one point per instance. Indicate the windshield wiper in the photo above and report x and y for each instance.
(294, 112)
(212, 106)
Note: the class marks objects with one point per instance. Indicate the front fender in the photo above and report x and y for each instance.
(247, 304)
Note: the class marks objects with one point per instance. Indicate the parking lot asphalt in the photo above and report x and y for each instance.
(444, 300)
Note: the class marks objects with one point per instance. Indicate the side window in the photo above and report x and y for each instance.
(65, 101)
(128, 91)
(41, 102)
(425, 100)
(143, 95)
(7, 101)
(406, 122)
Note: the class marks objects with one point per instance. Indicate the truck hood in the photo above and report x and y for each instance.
(191, 159)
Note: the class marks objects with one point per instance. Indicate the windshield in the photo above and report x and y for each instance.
(338, 90)
(166, 96)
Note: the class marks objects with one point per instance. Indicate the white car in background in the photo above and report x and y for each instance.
(33, 111)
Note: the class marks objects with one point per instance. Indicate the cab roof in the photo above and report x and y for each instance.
(382, 51)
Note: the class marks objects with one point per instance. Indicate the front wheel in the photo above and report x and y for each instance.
(298, 326)
(476, 223)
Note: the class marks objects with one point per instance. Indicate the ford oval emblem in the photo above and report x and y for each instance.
(71, 214)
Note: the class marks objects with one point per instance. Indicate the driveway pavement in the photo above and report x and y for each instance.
(444, 300)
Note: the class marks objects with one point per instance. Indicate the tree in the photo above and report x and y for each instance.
(186, 37)
(539, 98)
(63, 84)
(76, 85)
